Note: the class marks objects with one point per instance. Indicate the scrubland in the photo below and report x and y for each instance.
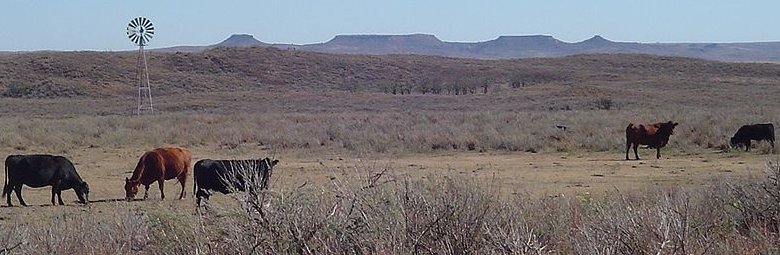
(316, 108)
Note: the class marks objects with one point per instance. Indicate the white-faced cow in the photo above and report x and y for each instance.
(758, 132)
(227, 176)
(39, 171)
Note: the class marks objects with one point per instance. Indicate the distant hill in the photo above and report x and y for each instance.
(506, 47)
(78, 74)
(240, 40)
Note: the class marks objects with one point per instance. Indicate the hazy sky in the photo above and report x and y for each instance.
(100, 24)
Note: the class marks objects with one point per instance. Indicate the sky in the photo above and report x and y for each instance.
(29, 25)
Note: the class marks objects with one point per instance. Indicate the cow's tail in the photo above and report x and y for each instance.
(6, 189)
(194, 183)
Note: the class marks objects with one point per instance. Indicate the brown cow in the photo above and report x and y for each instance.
(654, 135)
(159, 165)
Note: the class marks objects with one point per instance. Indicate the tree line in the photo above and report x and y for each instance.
(436, 85)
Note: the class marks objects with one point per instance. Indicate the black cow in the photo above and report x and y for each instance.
(756, 132)
(39, 171)
(226, 176)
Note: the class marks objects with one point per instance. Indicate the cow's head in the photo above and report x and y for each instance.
(268, 166)
(131, 188)
(82, 192)
(267, 163)
(667, 128)
(736, 142)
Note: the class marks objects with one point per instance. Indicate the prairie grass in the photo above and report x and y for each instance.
(383, 132)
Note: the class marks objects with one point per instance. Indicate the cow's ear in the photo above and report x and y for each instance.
(127, 179)
(273, 163)
(675, 124)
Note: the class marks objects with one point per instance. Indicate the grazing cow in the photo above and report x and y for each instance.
(39, 171)
(653, 135)
(756, 132)
(159, 165)
(226, 176)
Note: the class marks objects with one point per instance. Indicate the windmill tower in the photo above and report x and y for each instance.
(140, 30)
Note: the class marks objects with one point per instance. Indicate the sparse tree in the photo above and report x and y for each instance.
(517, 81)
(485, 85)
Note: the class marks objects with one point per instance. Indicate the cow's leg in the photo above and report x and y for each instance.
(53, 193)
(146, 191)
(628, 148)
(747, 145)
(636, 155)
(59, 197)
(162, 192)
(18, 190)
(199, 195)
(8, 194)
(182, 181)
(658, 152)
(772, 142)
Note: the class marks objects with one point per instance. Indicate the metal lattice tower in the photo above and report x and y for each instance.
(140, 30)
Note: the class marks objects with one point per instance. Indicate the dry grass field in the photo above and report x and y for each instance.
(364, 170)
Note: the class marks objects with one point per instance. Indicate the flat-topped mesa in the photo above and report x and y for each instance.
(410, 39)
(526, 40)
(240, 40)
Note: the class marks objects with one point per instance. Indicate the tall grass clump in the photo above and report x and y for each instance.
(124, 231)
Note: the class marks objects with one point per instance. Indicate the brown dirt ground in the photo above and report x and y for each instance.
(538, 174)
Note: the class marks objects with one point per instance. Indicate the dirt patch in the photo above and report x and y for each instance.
(541, 174)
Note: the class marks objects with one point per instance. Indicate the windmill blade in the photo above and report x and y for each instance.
(150, 31)
(147, 22)
(132, 36)
(136, 39)
(134, 23)
(147, 37)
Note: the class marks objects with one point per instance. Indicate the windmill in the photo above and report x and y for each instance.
(140, 30)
